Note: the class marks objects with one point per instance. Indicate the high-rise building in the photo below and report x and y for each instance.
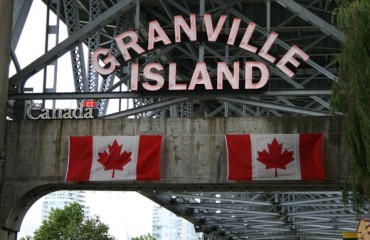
(60, 199)
(167, 226)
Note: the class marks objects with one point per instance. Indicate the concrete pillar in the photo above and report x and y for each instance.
(6, 13)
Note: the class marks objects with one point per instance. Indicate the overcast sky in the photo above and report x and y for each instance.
(127, 213)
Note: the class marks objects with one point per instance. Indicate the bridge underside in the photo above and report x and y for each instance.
(243, 211)
(193, 175)
(262, 214)
(254, 210)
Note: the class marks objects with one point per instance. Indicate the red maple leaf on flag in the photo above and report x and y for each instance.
(275, 158)
(114, 160)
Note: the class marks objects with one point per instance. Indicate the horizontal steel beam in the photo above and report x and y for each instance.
(313, 200)
(275, 106)
(115, 95)
(289, 236)
(222, 199)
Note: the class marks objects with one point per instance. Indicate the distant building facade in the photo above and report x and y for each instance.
(60, 199)
(167, 226)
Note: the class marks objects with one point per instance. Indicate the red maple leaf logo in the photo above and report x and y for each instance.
(114, 160)
(275, 158)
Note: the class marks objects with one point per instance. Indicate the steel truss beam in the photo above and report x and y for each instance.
(291, 81)
(77, 54)
(307, 15)
(278, 41)
(52, 32)
(82, 34)
(122, 23)
(20, 13)
(116, 95)
(280, 107)
(322, 102)
(262, 215)
(146, 108)
(93, 44)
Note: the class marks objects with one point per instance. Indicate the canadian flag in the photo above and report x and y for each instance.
(113, 158)
(89, 103)
(275, 157)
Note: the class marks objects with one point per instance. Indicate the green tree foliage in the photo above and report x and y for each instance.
(351, 93)
(144, 237)
(26, 238)
(71, 224)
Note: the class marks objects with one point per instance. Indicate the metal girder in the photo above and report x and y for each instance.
(311, 200)
(279, 41)
(166, 9)
(291, 81)
(201, 198)
(77, 54)
(20, 13)
(15, 61)
(262, 215)
(116, 95)
(185, 109)
(51, 40)
(93, 44)
(319, 39)
(292, 17)
(216, 111)
(107, 82)
(21, 9)
(315, 75)
(144, 102)
(280, 107)
(106, 17)
(146, 108)
(307, 15)
(178, 6)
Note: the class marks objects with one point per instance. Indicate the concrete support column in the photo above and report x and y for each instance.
(6, 14)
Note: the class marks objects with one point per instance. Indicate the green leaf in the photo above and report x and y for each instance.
(351, 93)
(70, 223)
